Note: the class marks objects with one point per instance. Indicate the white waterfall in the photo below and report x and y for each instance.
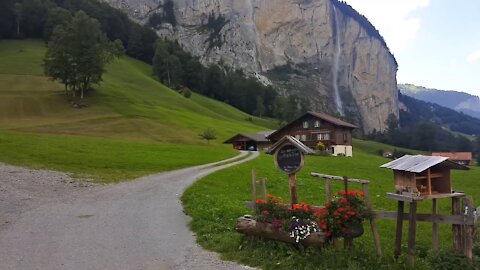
(336, 63)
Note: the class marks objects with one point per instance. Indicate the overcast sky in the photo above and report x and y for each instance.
(436, 42)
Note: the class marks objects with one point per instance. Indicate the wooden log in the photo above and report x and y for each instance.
(434, 226)
(373, 224)
(250, 227)
(399, 230)
(328, 189)
(412, 232)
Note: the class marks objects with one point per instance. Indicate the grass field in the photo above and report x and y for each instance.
(216, 201)
(133, 126)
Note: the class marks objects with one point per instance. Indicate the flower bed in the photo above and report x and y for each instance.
(343, 216)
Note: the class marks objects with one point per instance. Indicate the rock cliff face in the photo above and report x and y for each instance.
(310, 47)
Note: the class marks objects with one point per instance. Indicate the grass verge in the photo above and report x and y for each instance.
(215, 202)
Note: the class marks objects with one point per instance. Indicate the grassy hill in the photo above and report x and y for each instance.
(215, 212)
(129, 107)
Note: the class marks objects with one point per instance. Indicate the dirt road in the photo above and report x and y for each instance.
(133, 225)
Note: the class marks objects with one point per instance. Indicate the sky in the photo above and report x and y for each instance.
(436, 42)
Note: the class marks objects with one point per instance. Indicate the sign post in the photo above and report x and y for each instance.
(289, 158)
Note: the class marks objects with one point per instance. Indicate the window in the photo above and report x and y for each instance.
(297, 137)
(324, 136)
(304, 137)
(305, 124)
(317, 124)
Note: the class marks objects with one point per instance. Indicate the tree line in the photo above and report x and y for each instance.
(171, 64)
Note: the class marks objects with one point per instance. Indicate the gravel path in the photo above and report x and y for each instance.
(51, 222)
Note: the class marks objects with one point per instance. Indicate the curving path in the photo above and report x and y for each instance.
(134, 225)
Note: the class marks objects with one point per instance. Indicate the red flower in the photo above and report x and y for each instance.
(341, 192)
(341, 209)
(323, 226)
(335, 213)
(346, 217)
(328, 204)
(265, 212)
(362, 193)
(328, 234)
(351, 213)
(270, 196)
(344, 201)
(261, 201)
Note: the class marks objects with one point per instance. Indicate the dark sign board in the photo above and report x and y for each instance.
(289, 159)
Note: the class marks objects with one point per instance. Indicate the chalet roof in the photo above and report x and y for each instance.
(454, 155)
(258, 137)
(420, 163)
(331, 119)
(322, 116)
(291, 140)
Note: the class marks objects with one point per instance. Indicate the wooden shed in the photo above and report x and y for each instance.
(423, 175)
(244, 141)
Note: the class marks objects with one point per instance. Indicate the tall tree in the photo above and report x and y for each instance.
(78, 52)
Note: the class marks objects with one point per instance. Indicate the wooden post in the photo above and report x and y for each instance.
(328, 189)
(434, 226)
(412, 231)
(264, 189)
(398, 235)
(254, 189)
(456, 229)
(293, 188)
(373, 224)
(429, 182)
(345, 185)
(469, 231)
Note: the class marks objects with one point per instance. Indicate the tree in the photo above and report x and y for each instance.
(55, 17)
(78, 52)
(208, 134)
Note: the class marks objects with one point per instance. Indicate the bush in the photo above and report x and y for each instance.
(320, 146)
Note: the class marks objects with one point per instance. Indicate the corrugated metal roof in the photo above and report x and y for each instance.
(419, 163)
(292, 140)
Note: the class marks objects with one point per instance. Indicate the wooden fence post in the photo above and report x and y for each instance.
(264, 189)
(412, 232)
(434, 226)
(398, 235)
(373, 224)
(456, 229)
(469, 231)
(254, 189)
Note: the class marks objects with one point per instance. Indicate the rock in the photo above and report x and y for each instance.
(291, 44)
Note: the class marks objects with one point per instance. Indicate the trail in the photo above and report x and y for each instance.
(133, 225)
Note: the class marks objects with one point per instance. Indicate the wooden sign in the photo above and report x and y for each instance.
(289, 159)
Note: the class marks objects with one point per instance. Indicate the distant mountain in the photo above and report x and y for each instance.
(413, 111)
(459, 101)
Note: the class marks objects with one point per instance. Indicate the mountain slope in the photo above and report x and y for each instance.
(130, 103)
(322, 49)
(459, 101)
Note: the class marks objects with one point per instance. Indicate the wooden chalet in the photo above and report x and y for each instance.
(314, 127)
(423, 175)
(255, 142)
(463, 158)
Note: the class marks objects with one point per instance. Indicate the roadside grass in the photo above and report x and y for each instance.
(102, 159)
(215, 202)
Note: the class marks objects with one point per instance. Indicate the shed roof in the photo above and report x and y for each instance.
(420, 163)
(290, 140)
(454, 155)
(259, 137)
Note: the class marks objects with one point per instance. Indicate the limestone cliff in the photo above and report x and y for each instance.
(312, 47)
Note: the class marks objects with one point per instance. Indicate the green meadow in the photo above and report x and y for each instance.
(216, 201)
(133, 124)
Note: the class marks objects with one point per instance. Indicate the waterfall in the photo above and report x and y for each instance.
(336, 63)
